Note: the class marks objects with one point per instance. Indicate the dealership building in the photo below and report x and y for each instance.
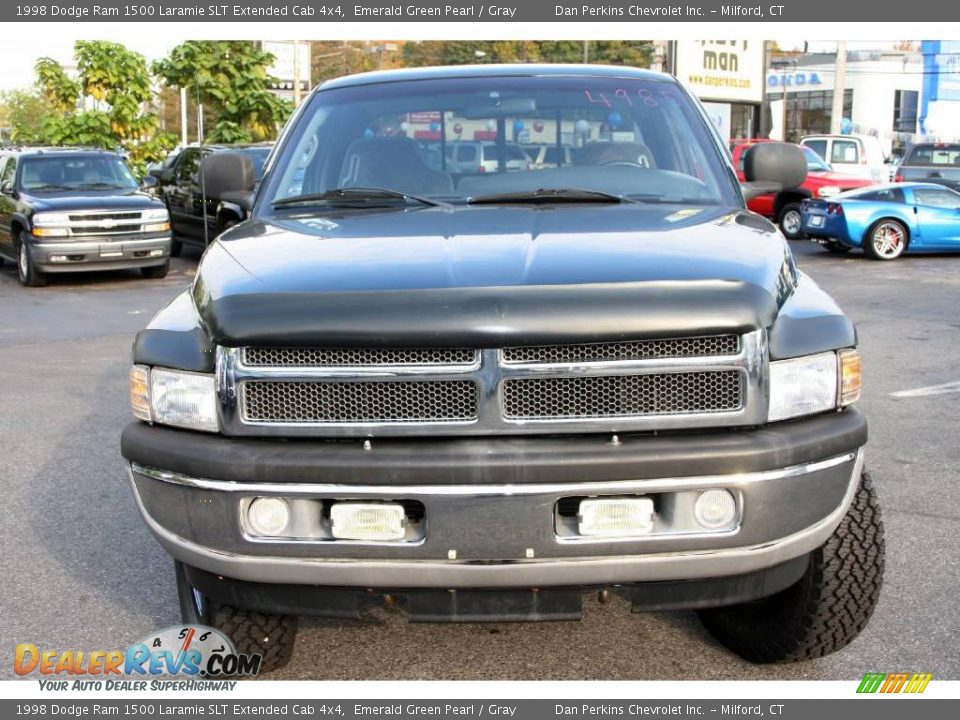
(898, 96)
(881, 95)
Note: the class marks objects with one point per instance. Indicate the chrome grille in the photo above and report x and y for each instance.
(359, 402)
(701, 346)
(635, 385)
(613, 396)
(94, 217)
(344, 357)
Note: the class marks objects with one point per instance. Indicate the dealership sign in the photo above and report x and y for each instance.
(724, 70)
(794, 80)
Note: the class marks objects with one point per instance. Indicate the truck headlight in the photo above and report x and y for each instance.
(155, 215)
(829, 191)
(814, 383)
(48, 219)
(174, 397)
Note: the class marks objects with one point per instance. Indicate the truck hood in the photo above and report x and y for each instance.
(91, 200)
(489, 275)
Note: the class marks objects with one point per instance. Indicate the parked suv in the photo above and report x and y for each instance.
(183, 189)
(74, 209)
(484, 397)
(784, 207)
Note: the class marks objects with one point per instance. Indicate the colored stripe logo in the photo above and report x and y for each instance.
(895, 682)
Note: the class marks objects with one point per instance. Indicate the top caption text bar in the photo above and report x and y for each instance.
(468, 11)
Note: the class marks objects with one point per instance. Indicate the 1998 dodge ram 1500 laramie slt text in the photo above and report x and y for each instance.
(478, 396)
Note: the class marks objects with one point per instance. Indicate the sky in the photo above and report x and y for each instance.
(18, 56)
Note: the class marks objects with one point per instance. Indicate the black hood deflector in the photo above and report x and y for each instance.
(480, 317)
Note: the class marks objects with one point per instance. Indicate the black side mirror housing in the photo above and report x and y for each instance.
(7, 188)
(160, 174)
(228, 172)
(772, 167)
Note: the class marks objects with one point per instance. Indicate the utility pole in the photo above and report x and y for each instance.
(296, 73)
(839, 83)
(183, 116)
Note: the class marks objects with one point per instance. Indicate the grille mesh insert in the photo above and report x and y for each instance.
(345, 357)
(623, 395)
(359, 402)
(707, 345)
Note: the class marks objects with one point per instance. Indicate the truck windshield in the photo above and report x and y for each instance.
(87, 172)
(456, 140)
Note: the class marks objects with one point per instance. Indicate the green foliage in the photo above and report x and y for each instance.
(231, 79)
(638, 53)
(59, 90)
(107, 106)
(23, 113)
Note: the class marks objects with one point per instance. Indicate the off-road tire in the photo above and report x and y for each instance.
(265, 634)
(827, 608)
(156, 272)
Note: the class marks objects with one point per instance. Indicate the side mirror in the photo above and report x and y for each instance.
(149, 182)
(6, 188)
(228, 172)
(772, 167)
(161, 175)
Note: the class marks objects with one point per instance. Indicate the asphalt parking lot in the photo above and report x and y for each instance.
(80, 570)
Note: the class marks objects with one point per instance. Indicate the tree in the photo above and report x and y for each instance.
(107, 105)
(606, 52)
(231, 78)
(23, 114)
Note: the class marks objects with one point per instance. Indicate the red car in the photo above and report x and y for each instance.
(784, 207)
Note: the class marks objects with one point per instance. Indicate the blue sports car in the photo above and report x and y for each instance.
(886, 220)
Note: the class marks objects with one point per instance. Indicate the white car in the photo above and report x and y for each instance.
(858, 155)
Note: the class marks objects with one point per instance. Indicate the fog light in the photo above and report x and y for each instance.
(156, 253)
(614, 517)
(268, 516)
(367, 521)
(58, 258)
(715, 509)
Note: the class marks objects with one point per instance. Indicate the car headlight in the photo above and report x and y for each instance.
(155, 215)
(174, 397)
(828, 191)
(46, 225)
(48, 219)
(813, 384)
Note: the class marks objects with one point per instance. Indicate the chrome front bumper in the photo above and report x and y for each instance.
(500, 535)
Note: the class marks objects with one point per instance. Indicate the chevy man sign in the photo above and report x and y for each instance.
(724, 70)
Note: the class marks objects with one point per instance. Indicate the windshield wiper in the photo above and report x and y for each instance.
(355, 195)
(49, 187)
(547, 195)
(109, 186)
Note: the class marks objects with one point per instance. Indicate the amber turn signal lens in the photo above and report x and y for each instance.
(140, 392)
(850, 382)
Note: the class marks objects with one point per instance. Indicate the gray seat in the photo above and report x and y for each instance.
(394, 164)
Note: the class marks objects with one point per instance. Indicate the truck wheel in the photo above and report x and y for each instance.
(886, 240)
(827, 608)
(176, 247)
(157, 271)
(790, 221)
(28, 274)
(270, 636)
